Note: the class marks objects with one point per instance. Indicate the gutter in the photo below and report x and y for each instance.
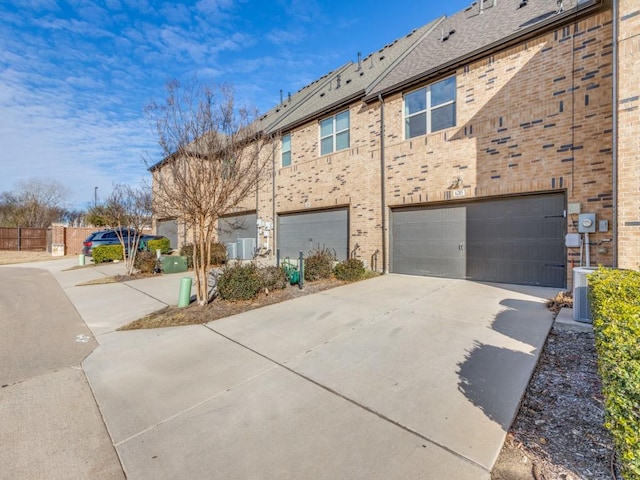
(328, 110)
(614, 103)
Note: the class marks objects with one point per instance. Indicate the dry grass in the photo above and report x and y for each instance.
(114, 279)
(9, 257)
(560, 301)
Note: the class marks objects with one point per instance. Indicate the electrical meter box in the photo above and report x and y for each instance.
(587, 223)
(173, 264)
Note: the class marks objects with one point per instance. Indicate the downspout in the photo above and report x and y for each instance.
(383, 189)
(273, 198)
(614, 152)
(257, 247)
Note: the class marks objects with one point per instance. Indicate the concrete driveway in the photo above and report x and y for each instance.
(394, 377)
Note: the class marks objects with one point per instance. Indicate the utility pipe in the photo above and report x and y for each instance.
(383, 188)
(273, 197)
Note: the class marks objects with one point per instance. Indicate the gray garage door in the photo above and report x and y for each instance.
(230, 229)
(515, 240)
(169, 229)
(305, 232)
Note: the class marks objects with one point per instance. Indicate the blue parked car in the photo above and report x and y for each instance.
(110, 237)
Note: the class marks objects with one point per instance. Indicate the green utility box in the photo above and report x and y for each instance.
(173, 264)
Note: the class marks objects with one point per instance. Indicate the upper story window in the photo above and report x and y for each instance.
(430, 109)
(334, 133)
(286, 150)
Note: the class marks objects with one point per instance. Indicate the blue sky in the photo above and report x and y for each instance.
(76, 75)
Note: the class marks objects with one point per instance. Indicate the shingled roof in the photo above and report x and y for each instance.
(434, 49)
(474, 31)
(349, 82)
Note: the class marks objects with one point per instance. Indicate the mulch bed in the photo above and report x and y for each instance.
(558, 433)
(194, 314)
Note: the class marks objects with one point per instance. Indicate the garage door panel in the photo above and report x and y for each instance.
(427, 242)
(168, 229)
(306, 232)
(231, 228)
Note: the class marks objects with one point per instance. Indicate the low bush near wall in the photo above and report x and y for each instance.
(350, 270)
(319, 264)
(273, 278)
(162, 244)
(107, 253)
(218, 254)
(239, 282)
(615, 304)
(145, 262)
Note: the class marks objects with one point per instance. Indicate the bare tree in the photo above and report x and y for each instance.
(128, 210)
(34, 203)
(214, 161)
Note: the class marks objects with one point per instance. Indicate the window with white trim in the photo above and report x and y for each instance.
(334, 133)
(430, 108)
(286, 150)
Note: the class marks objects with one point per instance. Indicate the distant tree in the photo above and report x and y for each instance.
(214, 160)
(96, 216)
(35, 203)
(128, 210)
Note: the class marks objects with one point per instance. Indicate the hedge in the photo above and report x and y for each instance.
(107, 253)
(239, 281)
(218, 254)
(145, 262)
(350, 270)
(615, 305)
(319, 264)
(162, 244)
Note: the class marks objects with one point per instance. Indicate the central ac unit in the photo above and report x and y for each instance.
(246, 248)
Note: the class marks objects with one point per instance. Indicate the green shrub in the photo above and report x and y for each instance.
(273, 278)
(163, 244)
(239, 282)
(107, 253)
(615, 305)
(319, 264)
(350, 270)
(145, 262)
(217, 257)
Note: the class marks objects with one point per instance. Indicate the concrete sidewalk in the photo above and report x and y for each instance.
(394, 377)
(50, 425)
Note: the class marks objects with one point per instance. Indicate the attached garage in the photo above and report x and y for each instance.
(517, 240)
(305, 232)
(231, 228)
(168, 228)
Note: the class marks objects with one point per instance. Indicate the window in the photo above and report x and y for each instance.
(286, 150)
(430, 109)
(334, 133)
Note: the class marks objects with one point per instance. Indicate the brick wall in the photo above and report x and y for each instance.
(348, 177)
(628, 105)
(534, 118)
(68, 240)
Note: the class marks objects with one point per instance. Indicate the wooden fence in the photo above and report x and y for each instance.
(21, 238)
